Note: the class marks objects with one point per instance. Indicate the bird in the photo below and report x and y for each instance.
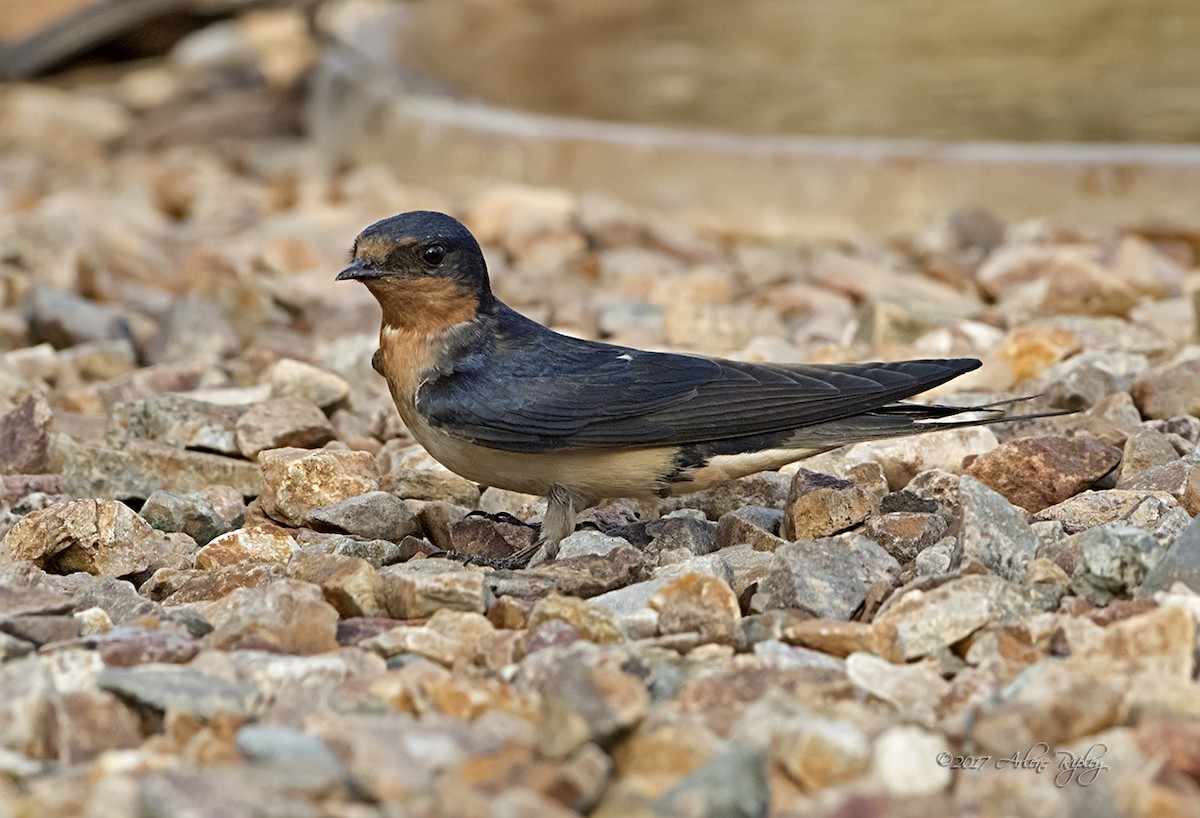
(507, 402)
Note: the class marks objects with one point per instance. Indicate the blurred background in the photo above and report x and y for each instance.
(779, 117)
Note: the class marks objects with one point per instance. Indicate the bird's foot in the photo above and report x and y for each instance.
(503, 517)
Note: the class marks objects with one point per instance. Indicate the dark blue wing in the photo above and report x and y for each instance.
(521, 387)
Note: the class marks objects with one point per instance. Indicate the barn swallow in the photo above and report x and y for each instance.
(506, 402)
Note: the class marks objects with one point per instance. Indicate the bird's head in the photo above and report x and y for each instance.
(419, 262)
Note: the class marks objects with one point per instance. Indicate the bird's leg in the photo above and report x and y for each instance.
(558, 522)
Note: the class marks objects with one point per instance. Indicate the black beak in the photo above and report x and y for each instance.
(358, 270)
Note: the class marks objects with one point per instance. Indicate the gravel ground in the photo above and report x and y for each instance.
(216, 594)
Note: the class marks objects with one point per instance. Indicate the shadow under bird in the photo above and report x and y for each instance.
(506, 402)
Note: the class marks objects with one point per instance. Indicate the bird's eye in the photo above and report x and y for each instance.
(433, 254)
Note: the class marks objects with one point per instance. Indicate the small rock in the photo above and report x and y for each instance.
(281, 423)
(412, 594)
(100, 537)
(138, 468)
(583, 704)
(820, 505)
(177, 421)
(65, 319)
(828, 577)
(1036, 472)
(755, 526)
(591, 575)
(905, 534)
(193, 513)
(296, 481)
(40, 629)
(993, 531)
(1180, 479)
(1165, 393)
(193, 329)
(488, 538)
(117, 598)
(431, 483)
(587, 542)
(837, 638)
(286, 616)
(591, 621)
(376, 515)
(1093, 508)
(377, 553)
(818, 752)
(25, 437)
(1143, 449)
(349, 584)
(733, 783)
(934, 492)
(169, 687)
(264, 543)
(677, 531)
(1113, 562)
(297, 753)
(1181, 563)
(294, 379)
(745, 566)
(913, 689)
(927, 621)
(907, 760)
(697, 603)
(937, 559)
(185, 586)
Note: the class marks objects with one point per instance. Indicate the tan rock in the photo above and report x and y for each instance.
(699, 603)
(101, 537)
(262, 543)
(411, 594)
(350, 584)
(286, 616)
(820, 505)
(592, 622)
(296, 481)
(1036, 472)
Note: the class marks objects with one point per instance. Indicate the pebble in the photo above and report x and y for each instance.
(907, 761)
(101, 537)
(829, 577)
(177, 421)
(1180, 563)
(993, 531)
(281, 423)
(1113, 562)
(755, 526)
(169, 687)
(1169, 392)
(701, 604)
(1036, 472)
(195, 513)
(285, 616)
(135, 469)
(413, 594)
(905, 534)
(820, 505)
(25, 437)
(290, 378)
(296, 481)
(265, 543)
(903, 458)
(374, 515)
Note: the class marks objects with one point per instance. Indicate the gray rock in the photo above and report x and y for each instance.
(291, 378)
(376, 515)
(177, 421)
(756, 526)
(828, 577)
(932, 491)
(117, 598)
(927, 621)
(745, 567)
(1165, 393)
(191, 513)
(193, 329)
(732, 783)
(65, 319)
(584, 542)
(1179, 478)
(682, 531)
(905, 534)
(162, 687)
(300, 754)
(412, 593)
(1143, 449)
(1093, 508)
(1113, 562)
(275, 424)
(377, 552)
(1181, 563)
(994, 531)
(937, 559)
(138, 468)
